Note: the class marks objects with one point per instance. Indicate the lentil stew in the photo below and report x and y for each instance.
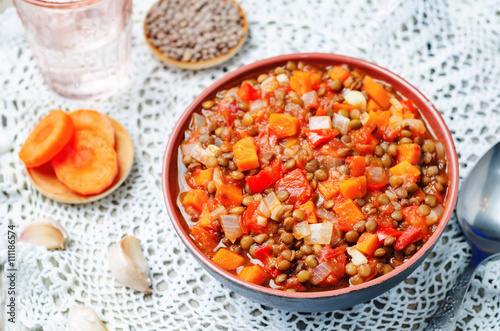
(311, 178)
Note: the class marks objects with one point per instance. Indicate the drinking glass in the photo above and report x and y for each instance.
(82, 47)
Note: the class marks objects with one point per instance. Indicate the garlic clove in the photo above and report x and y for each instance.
(45, 232)
(84, 319)
(128, 264)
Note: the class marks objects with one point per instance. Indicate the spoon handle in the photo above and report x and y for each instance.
(446, 316)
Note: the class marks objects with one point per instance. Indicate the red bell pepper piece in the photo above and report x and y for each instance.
(363, 139)
(383, 233)
(327, 253)
(356, 165)
(263, 252)
(247, 93)
(409, 236)
(297, 185)
(266, 177)
(317, 137)
(249, 219)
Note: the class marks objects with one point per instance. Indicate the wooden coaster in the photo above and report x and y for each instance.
(201, 64)
(45, 181)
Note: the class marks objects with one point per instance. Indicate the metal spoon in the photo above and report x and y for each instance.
(478, 211)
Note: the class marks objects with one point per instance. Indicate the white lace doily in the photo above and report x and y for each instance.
(447, 49)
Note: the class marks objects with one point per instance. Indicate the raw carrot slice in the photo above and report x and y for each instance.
(88, 164)
(47, 139)
(93, 120)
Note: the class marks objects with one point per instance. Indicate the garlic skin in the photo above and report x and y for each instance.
(81, 318)
(129, 266)
(45, 232)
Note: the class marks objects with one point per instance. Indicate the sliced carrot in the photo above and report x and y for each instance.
(47, 139)
(353, 188)
(406, 170)
(227, 259)
(328, 188)
(91, 119)
(253, 274)
(372, 105)
(349, 214)
(229, 195)
(87, 164)
(409, 152)
(310, 210)
(203, 177)
(377, 92)
(245, 154)
(283, 125)
(195, 199)
(368, 243)
(301, 81)
(337, 72)
(346, 106)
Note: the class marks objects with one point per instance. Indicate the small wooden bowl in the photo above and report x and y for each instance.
(45, 181)
(201, 64)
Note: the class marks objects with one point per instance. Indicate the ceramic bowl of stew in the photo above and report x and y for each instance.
(310, 182)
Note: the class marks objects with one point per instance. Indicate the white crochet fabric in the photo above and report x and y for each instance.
(447, 49)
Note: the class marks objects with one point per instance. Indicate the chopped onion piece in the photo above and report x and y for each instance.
(199, 120)
(218, 212)
(364, 118)
(231, 226)
(395, 121)
(396, 104)
(301, 230)
(321, 233)
(416, 125)
(439, 210)
(272, 202)
(263, 210)
(356, 256)
(261, 220)
(196, 151)
(232, 93)
(320, 272)
(320, 122)
(332, 162)
(278, 212)
(257, 105)
(217, 178)
(213, 149)
(310, 98)
(340, 123)
(432, 218)
(440, 151)
(283, 79)
(356, 98)
(325, 214)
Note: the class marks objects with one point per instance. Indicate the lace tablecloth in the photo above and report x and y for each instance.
(447, 49)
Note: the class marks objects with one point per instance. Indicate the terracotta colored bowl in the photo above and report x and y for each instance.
(324, 300)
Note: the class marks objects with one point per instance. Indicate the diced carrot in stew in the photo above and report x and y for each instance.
(310, 210)
(409, 152)
(195, 199)
(297, 186)
(406, 170)
(353, 188)
(227, 259)
(283, 125)
(253, 274)
(372, 105)
(203, 177)
(337, 72)
(328, 188)
(207, 239)
(245, 154)
(346, 106)
(368, 243)
(377, 92)
(229, 195)
(349, 214)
